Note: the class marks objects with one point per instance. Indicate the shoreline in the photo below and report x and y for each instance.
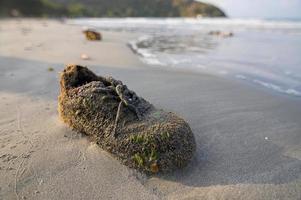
(248, 140)
(223, 58)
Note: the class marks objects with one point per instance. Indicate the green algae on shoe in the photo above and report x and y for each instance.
(127, 126)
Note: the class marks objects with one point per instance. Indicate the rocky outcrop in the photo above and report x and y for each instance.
(112, 8)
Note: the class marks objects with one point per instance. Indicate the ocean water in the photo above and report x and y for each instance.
(265, 53)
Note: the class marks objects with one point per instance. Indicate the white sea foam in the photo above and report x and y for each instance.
(239, 76)
(145, 54)
(223, 72)
(293, 92)
(152, 61)
(278, 88)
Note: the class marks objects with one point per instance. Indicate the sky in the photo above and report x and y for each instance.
(260, 8)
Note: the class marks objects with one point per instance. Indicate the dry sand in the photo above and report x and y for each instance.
(249, 140)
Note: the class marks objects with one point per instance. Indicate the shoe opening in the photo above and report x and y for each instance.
(76, 76)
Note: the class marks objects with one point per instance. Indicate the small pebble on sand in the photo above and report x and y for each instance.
(84, 56)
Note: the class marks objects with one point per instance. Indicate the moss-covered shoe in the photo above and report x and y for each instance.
(122, 123)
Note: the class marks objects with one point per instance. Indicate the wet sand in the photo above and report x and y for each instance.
(248, 140)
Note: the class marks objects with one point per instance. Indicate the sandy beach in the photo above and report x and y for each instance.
(248, 139)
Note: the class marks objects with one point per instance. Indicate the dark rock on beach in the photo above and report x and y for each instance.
(92, 35)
